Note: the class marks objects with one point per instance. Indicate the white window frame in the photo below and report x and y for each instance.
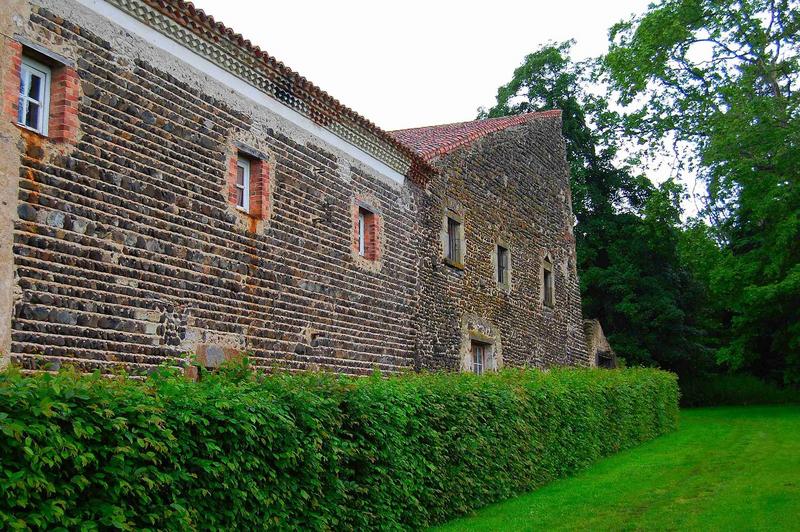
(362, 225)
(27, 68)
(245, 165)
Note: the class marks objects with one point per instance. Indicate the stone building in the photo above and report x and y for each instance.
(170, 190)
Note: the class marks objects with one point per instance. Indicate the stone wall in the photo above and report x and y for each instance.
(128, 253)
(511, 187)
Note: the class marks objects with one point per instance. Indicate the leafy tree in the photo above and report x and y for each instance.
(628, 229)
(718, 78)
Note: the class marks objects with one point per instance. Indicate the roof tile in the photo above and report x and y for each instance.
(432, 141)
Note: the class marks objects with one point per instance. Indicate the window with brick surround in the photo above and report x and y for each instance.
(248, 185)
(366, 234)
(42, 92)
(242, 184)
(33, 107)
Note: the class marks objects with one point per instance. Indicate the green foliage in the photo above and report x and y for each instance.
(733, 389)
(629, 230)
(725, 469)
(310, 451)
(718, 80)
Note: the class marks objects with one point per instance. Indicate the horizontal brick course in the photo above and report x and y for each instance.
(128, 252)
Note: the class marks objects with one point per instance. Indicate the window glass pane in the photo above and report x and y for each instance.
(240, 176)
(502, 264)
(240, 197)
(32, 115)
(21, 109)
(35, 89)
(477, 358)
(453, 250)
(547, 281)
(23, 81)
(362, 245)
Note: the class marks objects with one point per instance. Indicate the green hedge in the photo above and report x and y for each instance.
(310, 451)
(732, 389)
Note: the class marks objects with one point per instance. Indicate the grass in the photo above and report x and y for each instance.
(728, 468)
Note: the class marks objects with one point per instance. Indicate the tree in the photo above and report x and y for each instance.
(718, 79)
(628, 229)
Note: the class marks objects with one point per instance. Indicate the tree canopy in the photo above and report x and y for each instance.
(712, 85)
(720, 78)
(627, 227)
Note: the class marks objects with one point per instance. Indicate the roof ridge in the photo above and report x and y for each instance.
(522, 117)
(432, 141)
(328, 108)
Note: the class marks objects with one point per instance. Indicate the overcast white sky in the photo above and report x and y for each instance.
(415, 63)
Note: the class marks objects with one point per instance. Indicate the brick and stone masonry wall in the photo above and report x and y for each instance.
(510, 187)
(127, 252)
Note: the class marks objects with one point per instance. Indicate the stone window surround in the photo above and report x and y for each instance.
(506, 285)
(547, 266)
(491, 358)
(476, 329)
(479, 357)
(458, 217)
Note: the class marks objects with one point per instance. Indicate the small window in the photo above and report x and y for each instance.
(454, 245)
(502, 265)
(248, 184)
(478, 358)
(547, 283)
(362, 232)
(242, 184)
(34, 95)
(367, 241)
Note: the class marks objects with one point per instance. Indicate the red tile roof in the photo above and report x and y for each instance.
(432, 141)
(323, 108)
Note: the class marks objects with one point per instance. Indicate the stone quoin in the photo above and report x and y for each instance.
(173, 193)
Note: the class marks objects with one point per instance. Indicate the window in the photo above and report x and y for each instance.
(242, 184)
(362, 232)
(249, 183)
(34, 96)
(454, 249)
(366, 236)
(547, 283)
(478, 357)
(502, 265)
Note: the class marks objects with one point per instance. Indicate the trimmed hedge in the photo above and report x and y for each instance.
(733, 390)
(309, 451)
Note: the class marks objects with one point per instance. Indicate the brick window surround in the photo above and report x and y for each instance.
(64, 93)
(258, 207)
(366, 242)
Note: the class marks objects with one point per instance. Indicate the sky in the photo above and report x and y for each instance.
(415, 63)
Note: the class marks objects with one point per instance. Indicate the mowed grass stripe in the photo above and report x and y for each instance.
(731, 468)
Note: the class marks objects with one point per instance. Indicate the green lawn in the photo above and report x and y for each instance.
(731, 468)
